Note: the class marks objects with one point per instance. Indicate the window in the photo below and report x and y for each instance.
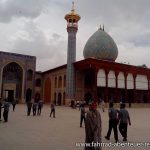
(29, 75)
(38, 82)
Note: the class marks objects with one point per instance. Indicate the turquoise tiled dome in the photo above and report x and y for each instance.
(101, 46)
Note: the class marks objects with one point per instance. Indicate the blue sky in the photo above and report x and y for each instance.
(37, 27)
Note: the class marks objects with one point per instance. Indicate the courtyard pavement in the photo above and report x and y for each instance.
(23, 132)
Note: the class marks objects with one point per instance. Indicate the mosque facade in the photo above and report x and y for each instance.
(95, 77)
(17, 74)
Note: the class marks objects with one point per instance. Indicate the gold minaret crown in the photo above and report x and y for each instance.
(72, 16)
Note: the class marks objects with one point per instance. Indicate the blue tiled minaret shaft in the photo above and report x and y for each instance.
(71, 58)
(72, 27)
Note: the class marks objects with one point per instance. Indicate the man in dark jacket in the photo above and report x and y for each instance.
(29, 106)
(14, 102)
(6, 110)
(52, 110)
(40, 105)
(82, 115)
(124, 120)
(113, 121)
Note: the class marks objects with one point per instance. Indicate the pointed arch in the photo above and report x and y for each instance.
(101, 78)
(111, 79)
(59, 99)
(12, 80)
(141, 82)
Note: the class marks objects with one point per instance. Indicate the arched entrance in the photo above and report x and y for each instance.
(47, 91)
(12, 81)
(28, 95)
(59, 99)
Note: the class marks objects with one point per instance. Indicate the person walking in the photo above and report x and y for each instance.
(93, 128)
(34, 108)
(82, 115)
(29, 106)
(14, 102)
(124, 120)
(40, 105)
(113, 122)
(6, 110)
(52, 110)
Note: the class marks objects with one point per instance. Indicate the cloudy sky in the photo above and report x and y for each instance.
(38, 28)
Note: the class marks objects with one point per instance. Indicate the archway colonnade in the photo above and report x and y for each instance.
(126, 87)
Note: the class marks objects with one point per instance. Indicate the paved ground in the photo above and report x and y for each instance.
(61, 133)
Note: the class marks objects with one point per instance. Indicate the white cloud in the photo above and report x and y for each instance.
(134, 55)
(31, 40)
(10, 9)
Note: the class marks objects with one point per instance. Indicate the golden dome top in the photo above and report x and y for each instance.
(72, 14)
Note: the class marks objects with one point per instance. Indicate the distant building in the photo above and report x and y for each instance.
(17, 74)
(96, 77)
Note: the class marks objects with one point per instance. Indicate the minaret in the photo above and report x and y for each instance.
(72, 19)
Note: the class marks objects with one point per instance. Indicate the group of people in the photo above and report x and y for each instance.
(77, 104)
(91, 118)
(93, 123)
(116, 117)
(36, 108)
